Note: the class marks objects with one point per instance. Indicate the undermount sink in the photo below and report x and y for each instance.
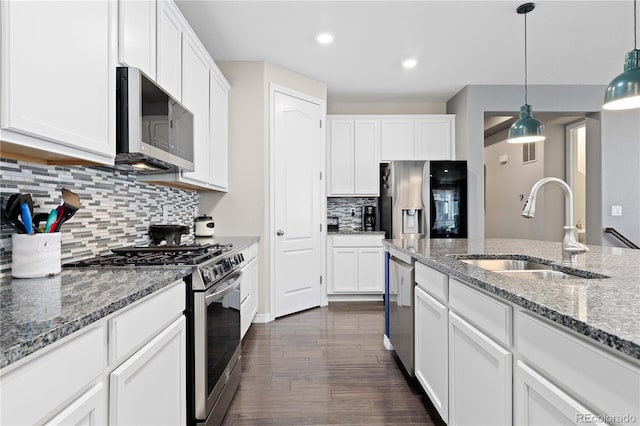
(528, 269)
(505, 264)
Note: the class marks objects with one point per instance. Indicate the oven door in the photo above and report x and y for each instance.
(216, 341)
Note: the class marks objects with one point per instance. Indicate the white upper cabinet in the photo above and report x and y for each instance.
(398, 139)
(137, 35)
(58, 80)
(353, 157)
(195, 96)
(424, 137)
(218, 130)
(169, 48)
(435, 138)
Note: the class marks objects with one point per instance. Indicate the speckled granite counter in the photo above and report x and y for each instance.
(606, 310)
(37, 312)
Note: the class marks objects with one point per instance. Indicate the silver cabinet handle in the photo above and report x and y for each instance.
(280, 232)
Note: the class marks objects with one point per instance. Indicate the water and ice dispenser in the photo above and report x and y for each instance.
(412, 221)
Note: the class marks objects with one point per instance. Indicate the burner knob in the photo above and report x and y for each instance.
(207, 275)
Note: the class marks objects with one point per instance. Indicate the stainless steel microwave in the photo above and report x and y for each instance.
(154, 132)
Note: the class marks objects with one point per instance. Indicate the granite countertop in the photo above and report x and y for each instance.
(606, 310)
(37, 312)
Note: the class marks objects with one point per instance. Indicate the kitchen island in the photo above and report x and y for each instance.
(495, 349)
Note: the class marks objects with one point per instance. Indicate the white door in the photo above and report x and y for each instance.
(297, 146)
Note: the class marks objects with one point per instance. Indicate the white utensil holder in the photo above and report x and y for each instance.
(36, 255)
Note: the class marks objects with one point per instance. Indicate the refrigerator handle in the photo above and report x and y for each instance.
(426, 183)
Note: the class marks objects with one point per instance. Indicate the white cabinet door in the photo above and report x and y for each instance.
(397, 139)
(219, 123)
(539, 403)
(195, 96)
(137, 35)
(480, 374)
(345, 269)
(58, 78)
(431, 350)
(371, 270)
(88, 410)
(150, 387)
(169, 48)
(341, 161)
(248, 295)
(434, 138)
(365, 157)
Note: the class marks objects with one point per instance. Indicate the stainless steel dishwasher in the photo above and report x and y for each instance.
(401, 290)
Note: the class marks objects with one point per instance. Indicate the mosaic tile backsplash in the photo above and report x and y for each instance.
(340, 207)
(115, 209)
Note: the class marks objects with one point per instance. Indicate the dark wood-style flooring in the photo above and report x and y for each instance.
(325, 366)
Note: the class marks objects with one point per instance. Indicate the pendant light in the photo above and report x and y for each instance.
(624, 90)
(526, 128)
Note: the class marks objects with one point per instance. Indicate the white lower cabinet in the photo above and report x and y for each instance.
(538, 402)
(125, 369)
(432, 350)
(150, 388)
(355, 264)
(480, 382)
(88, 410)
(249, 291)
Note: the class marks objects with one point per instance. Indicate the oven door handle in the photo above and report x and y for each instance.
(235, 280)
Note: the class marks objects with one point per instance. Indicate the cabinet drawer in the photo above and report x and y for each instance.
(602, 382)
(358, 240)
(433, 282)
(250, 252)
(32, 392)
(136, 326)
(487, 313)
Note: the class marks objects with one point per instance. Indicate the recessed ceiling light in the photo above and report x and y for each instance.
(324, 38)
(409, 63)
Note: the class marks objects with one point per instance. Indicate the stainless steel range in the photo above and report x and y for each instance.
(213, 319)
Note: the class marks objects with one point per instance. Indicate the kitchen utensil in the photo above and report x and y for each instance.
(16, 224)
(25, 214)
(13, 207)
(53, 216)
(169, 233)
(56, 225)
(71, 205)
(38, 218)
(204, 226)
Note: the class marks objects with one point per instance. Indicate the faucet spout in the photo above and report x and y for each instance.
(570, 246)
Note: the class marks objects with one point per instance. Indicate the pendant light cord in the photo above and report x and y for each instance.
(635, 26)
(525, 58)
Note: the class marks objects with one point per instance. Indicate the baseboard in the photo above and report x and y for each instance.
(262, 318)
(355, 297)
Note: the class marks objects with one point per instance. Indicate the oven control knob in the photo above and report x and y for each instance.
(207, 275)
(241, 257)
(219, 270)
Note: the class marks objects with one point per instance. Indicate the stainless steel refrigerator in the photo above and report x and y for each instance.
(421, 199)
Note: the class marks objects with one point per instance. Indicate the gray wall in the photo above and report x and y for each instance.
(619, 138)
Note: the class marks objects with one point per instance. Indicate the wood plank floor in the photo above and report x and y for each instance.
(325, 366)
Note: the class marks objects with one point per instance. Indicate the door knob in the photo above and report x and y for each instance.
(280, 232)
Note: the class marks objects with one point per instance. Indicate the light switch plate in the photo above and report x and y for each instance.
(616, 210)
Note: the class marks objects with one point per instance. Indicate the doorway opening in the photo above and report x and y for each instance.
(511, 170)
(577, 173)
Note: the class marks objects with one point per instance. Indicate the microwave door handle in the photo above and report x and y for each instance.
(235, 280)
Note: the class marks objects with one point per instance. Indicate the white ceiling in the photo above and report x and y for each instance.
(457, 43)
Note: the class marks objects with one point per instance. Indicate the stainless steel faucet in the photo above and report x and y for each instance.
(570, 246)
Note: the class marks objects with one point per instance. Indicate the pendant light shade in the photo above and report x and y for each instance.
(526, 128)
(624, 91)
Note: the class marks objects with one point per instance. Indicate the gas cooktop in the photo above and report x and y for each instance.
(164, 255)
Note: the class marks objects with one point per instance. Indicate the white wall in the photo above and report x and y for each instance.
(244, 210)
(619, 133)
(386, 107)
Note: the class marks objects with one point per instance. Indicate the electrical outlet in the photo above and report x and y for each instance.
(616, 210)
(165, 213)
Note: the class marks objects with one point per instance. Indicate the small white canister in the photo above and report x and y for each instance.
(204, 226)
(36, 255)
